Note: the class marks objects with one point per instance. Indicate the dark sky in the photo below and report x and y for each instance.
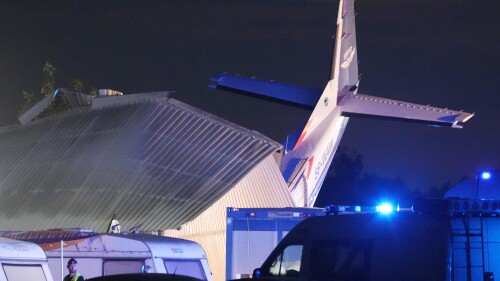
(443, 53)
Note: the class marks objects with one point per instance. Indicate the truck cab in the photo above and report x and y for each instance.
(363, 246)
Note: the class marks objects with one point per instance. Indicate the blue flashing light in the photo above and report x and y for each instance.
(384, 208)
(486, 175)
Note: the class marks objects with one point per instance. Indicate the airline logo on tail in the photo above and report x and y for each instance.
(348, 56)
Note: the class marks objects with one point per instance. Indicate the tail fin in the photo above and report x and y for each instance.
(345, 52)
(344, 73)
(304, 167)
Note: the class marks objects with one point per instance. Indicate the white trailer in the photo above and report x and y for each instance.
(109, 254)
(21, 260)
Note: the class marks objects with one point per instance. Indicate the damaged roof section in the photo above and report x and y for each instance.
(153, 161)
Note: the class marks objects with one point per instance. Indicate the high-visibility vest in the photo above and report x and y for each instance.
(75, 277)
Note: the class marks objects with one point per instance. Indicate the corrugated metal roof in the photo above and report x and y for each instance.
(47, 236)
(153, 161)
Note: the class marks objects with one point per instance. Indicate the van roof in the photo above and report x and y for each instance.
(157, 245)
(376, 225)
(160, 245)
(20, 250)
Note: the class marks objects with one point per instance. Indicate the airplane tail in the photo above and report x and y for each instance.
(344, 72)
(304, 166)
(307, 158)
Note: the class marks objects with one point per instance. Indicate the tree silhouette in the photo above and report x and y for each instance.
(59, 102)
(49, 80)
(28, 101)
(347, 183)
(77, 85)
(341, 185)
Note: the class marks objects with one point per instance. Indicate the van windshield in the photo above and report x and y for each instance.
(21, 272)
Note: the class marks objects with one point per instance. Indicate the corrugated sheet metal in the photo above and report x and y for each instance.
(47, 236)
(299, 192)
(154, 162)
(263, 187)
(76, 99)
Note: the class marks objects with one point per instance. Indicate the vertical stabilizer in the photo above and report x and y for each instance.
(344, 72)
(345, 64)
(321, 135)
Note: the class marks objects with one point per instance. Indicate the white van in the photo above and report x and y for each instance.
(21, 260)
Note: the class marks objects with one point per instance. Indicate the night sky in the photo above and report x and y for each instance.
(442, 53)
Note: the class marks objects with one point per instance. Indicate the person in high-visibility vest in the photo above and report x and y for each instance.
(73, 274)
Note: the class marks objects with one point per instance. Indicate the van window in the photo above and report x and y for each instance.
(191, 268)
(340, 260)
(112, 267)
(287, 263)
(18, 272)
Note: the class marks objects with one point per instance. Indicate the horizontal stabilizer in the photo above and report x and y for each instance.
(295, 95)
(363, 105)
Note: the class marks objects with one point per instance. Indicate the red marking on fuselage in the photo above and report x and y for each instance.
(309, 167)
(304, 133)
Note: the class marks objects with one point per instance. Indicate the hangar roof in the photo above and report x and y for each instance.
(153, 161)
